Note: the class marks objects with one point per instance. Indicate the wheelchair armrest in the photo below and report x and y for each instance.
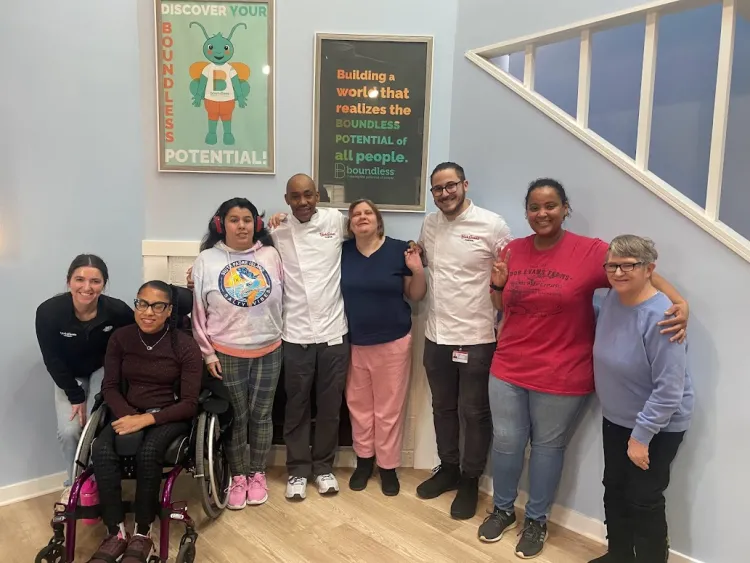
(128, 444)
(204, 395)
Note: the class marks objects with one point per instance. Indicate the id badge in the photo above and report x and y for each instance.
(460, 357)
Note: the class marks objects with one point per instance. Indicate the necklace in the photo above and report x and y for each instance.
(149, 348)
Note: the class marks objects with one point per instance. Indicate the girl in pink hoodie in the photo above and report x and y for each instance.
(238, 285)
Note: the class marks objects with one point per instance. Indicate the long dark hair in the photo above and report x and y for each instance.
(171, 292)
(213, 235)
(88, 261)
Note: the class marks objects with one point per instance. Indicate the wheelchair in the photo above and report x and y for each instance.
(199, 453)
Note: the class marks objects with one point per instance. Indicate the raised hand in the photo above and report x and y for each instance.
(677, 322)
(276, 220)
(413, 258)
(499, 275)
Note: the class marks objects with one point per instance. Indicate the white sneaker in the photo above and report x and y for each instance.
(327, 484)
(65, 497)
(296, 488)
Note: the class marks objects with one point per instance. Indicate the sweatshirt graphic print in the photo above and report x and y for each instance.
(237, 301)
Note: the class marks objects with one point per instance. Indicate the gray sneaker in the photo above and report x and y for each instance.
(296, 488)
(533, 536)
(327, 484)
(496, 524)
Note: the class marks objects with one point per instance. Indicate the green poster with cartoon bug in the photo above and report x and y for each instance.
(214, 63)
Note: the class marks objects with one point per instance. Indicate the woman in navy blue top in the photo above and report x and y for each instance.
(378, 275)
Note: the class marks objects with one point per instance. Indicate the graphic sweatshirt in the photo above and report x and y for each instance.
(237, 304)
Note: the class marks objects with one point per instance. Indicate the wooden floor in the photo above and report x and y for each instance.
(354, 527)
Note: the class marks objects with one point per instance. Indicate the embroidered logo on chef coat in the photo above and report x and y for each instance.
(328, 235)
(470, 238)
(245, 283)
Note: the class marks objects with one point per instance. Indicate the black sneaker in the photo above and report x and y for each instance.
(465, 504)
(444, 478)
(613, 558)
(358, 480)
(533, 536)
(389, 482)
(496, 524)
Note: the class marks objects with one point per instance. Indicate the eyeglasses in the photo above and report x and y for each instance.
(158, 307)
(627, 267)
(449, 188)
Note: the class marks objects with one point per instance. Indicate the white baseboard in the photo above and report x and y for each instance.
(53, 483)
(345, 457)
(574, 521)
(32, 488)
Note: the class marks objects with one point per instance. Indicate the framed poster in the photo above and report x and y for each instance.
(215, 86)
(371, 119)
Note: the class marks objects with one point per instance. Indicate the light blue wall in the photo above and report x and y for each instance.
(71, 176)
(191, 198)
(504, 143)
(78, 169)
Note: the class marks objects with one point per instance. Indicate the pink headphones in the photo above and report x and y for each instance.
(220, 225)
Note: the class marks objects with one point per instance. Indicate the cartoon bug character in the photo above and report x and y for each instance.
(218, 83)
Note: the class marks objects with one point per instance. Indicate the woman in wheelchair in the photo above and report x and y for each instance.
(148, 359)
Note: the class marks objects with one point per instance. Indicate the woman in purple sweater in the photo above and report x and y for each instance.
(646, 394)
(152, 356)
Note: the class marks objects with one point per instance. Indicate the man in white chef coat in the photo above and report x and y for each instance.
(314, 333)
(460, 243)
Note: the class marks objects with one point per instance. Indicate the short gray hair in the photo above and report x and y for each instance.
(632, 246)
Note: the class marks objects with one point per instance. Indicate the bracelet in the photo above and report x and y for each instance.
(496, 287)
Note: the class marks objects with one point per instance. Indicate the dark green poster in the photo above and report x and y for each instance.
(371, 122)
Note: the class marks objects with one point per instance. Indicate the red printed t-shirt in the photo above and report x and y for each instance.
(547, 336)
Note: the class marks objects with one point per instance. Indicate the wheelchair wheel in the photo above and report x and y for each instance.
(53, 553)
(83, 451)
(186, 553)
(211, 463)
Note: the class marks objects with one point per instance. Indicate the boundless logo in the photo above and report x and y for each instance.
(245, 283)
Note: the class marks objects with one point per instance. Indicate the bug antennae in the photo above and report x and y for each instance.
(203, 28)
(235, 27)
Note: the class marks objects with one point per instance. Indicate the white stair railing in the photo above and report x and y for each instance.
(706, 217)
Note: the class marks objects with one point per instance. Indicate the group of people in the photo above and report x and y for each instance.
(328, 296)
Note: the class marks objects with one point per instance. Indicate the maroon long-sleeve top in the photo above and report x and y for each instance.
(152, 374)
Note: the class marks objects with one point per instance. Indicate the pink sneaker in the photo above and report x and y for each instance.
(238, 493)
(257, 489)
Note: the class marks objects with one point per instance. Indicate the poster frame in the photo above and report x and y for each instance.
(317, 61)
(270, 169)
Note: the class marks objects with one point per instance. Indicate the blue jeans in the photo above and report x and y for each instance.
(69, 431)
(549, 420)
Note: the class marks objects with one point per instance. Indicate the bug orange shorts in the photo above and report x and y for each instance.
(219, 110)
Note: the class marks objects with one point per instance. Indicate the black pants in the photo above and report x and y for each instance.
(149, 467)
(634, 505)
(300, 363)
(461, 389)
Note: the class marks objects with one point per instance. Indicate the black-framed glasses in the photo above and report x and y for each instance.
(626, 267)
(449, 188)
(158, 307)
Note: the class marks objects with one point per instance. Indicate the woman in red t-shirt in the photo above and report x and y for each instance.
(542, 368)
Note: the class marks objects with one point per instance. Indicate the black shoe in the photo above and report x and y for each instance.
(496, 524)
(465, 504)
(358, 480)
(444, 478)
(610, 557)
(533, 536)
(389, 482)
